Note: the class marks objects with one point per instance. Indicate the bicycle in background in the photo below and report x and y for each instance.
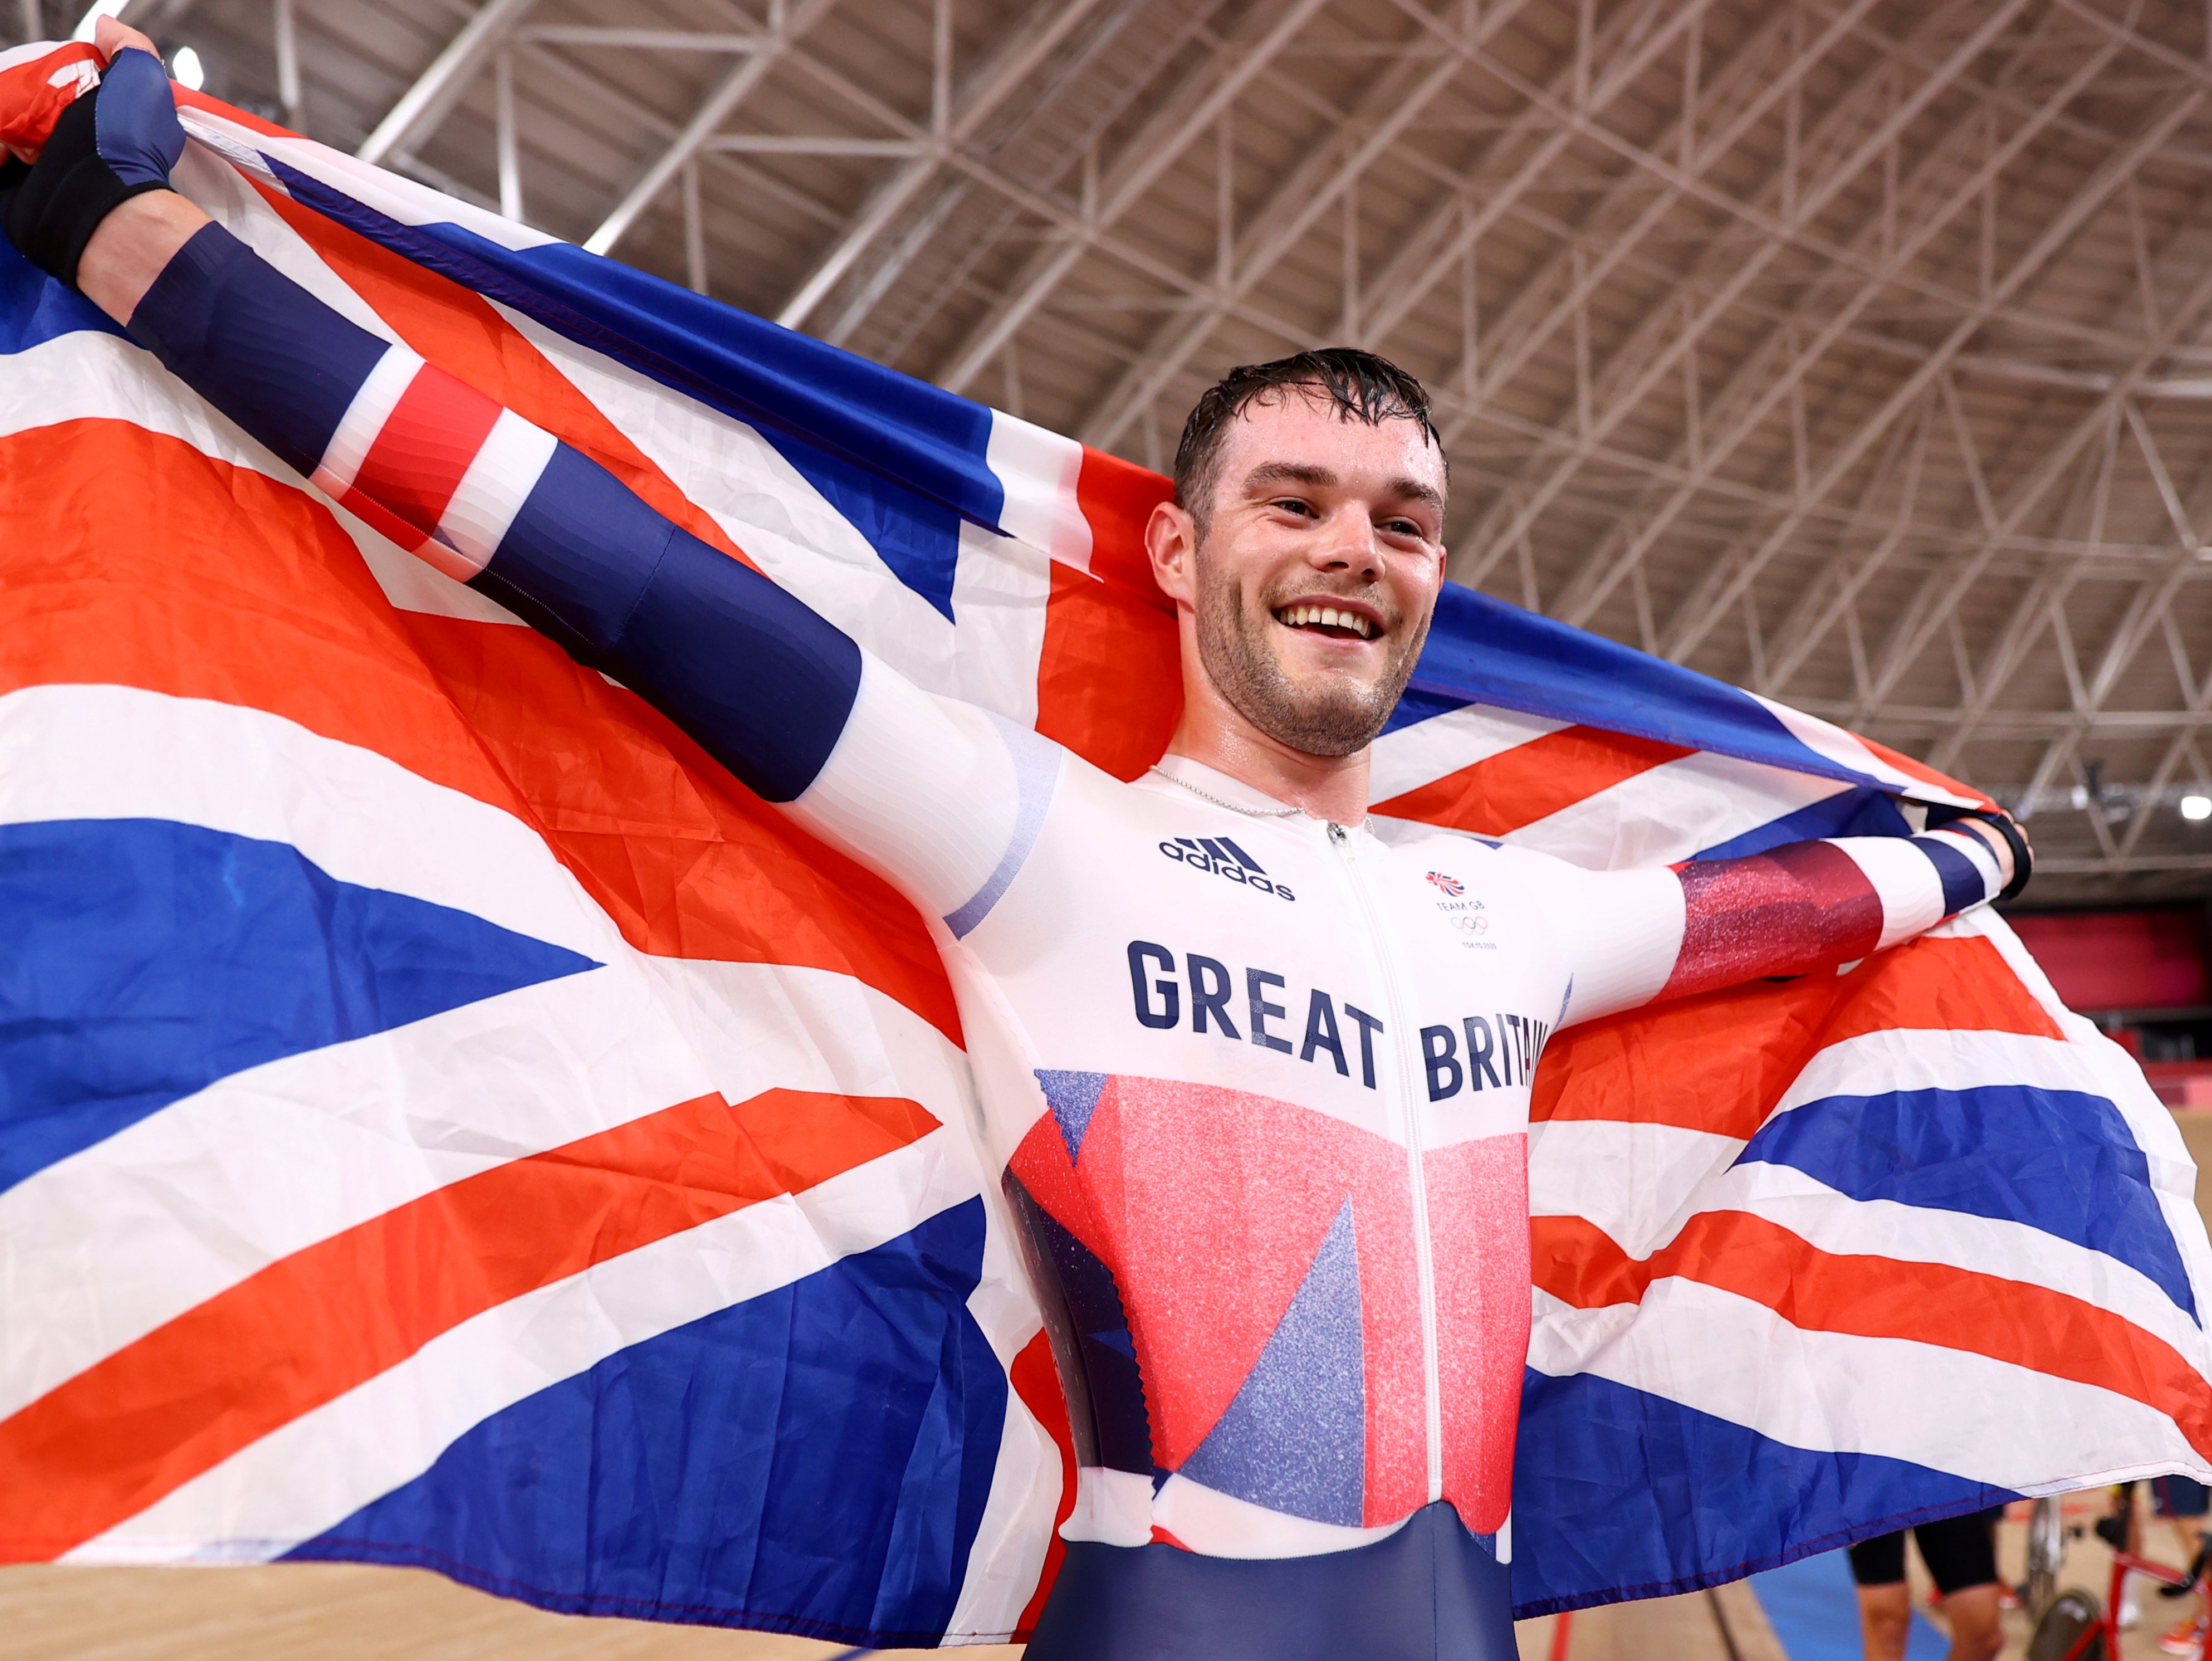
(2073, 1625)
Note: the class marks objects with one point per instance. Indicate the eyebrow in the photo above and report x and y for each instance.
(1306, 472)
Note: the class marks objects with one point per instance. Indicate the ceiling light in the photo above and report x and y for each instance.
(184, 63)
(2197, 807)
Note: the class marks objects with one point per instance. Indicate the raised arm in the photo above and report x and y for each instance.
(930, 791)
(1638, 937)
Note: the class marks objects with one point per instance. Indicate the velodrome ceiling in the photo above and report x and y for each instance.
(1859, 352)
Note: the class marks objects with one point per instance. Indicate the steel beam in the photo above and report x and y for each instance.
(734, 88)
(1041, 29)
(425, 104)
(1702, 608)
(1391, 100)
(1185, 116)
(1590, 587)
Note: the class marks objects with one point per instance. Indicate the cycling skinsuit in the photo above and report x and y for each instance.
(1258, 1085)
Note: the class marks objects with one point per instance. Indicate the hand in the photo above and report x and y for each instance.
(106, 150)
(24, 130)
(1995, 840)
(110, 36)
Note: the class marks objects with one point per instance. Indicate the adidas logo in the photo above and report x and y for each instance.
(1224, 858)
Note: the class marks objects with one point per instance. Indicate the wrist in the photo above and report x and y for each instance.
(112, 145)
(131, 247)
(2015, 861)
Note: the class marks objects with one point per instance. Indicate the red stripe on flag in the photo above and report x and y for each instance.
(199, 100)
(1035, 1379)
(2017, 1321)
(1532, 781)
(1720, 1062)
(304, 1331)
(1109, 681)
(426, 446)
(209, 582)
(1924, 773)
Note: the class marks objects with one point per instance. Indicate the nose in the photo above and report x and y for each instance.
(1349, 545)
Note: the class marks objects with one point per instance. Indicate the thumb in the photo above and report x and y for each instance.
(109, 37)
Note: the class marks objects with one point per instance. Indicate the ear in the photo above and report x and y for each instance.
(1171, 540)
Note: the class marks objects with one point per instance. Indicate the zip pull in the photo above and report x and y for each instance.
(1337, 834)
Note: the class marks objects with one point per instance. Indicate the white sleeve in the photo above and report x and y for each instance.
(1621, 932)
(945, 799)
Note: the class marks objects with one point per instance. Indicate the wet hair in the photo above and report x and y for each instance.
(1361, 385)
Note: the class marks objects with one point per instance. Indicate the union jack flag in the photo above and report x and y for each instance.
(445, 1120)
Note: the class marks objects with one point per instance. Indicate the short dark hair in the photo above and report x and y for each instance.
(1363, 386)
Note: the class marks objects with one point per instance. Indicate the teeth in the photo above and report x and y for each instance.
(1328, 616)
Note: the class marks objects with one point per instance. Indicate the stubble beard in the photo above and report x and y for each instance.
(1337, 716)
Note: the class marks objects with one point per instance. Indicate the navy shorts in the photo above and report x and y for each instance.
(1959, 1552)
(2177, 1496)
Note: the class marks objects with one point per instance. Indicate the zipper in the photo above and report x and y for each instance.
(1339, 840)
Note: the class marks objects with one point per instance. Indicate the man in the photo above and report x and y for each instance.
(1960, 1553)
(1257, 1079)
(2183, 1502)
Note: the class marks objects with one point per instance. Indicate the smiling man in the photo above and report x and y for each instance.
(1254, 1068)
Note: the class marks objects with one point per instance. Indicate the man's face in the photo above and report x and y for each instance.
(1315, 573)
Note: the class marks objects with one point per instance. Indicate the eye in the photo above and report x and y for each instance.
(1294, 505)
(1402, 527)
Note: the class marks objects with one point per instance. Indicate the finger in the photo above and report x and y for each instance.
(110, 37)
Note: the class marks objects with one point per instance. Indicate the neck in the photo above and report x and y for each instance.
(1212, 733)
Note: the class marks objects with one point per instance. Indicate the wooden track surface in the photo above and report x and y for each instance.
(335, 1612)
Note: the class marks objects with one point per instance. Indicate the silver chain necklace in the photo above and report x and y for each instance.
(1234, 808)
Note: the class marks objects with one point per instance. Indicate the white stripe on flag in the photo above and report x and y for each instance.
(1635, 1181)
(315, 1471)
(388, 193)
(1426, 750)
(102, 752)
(1039, 471)
(92, 375)
(1827, 740)
(1643, 1189)
(105, 1245)
(1672, 812)
(1736, 1359)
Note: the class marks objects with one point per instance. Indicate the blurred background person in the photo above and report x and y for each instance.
(1960, 1555)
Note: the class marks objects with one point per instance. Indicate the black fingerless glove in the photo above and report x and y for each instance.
(118, 141)
(2023, 857)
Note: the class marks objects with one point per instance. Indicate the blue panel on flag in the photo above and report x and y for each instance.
(2059, 1160)
(918, 540)
(1482, 650)
(901, 460)
(1618, 1493)
(35, 309)
(815, 1460)
(146, 959)
(1858, 812)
